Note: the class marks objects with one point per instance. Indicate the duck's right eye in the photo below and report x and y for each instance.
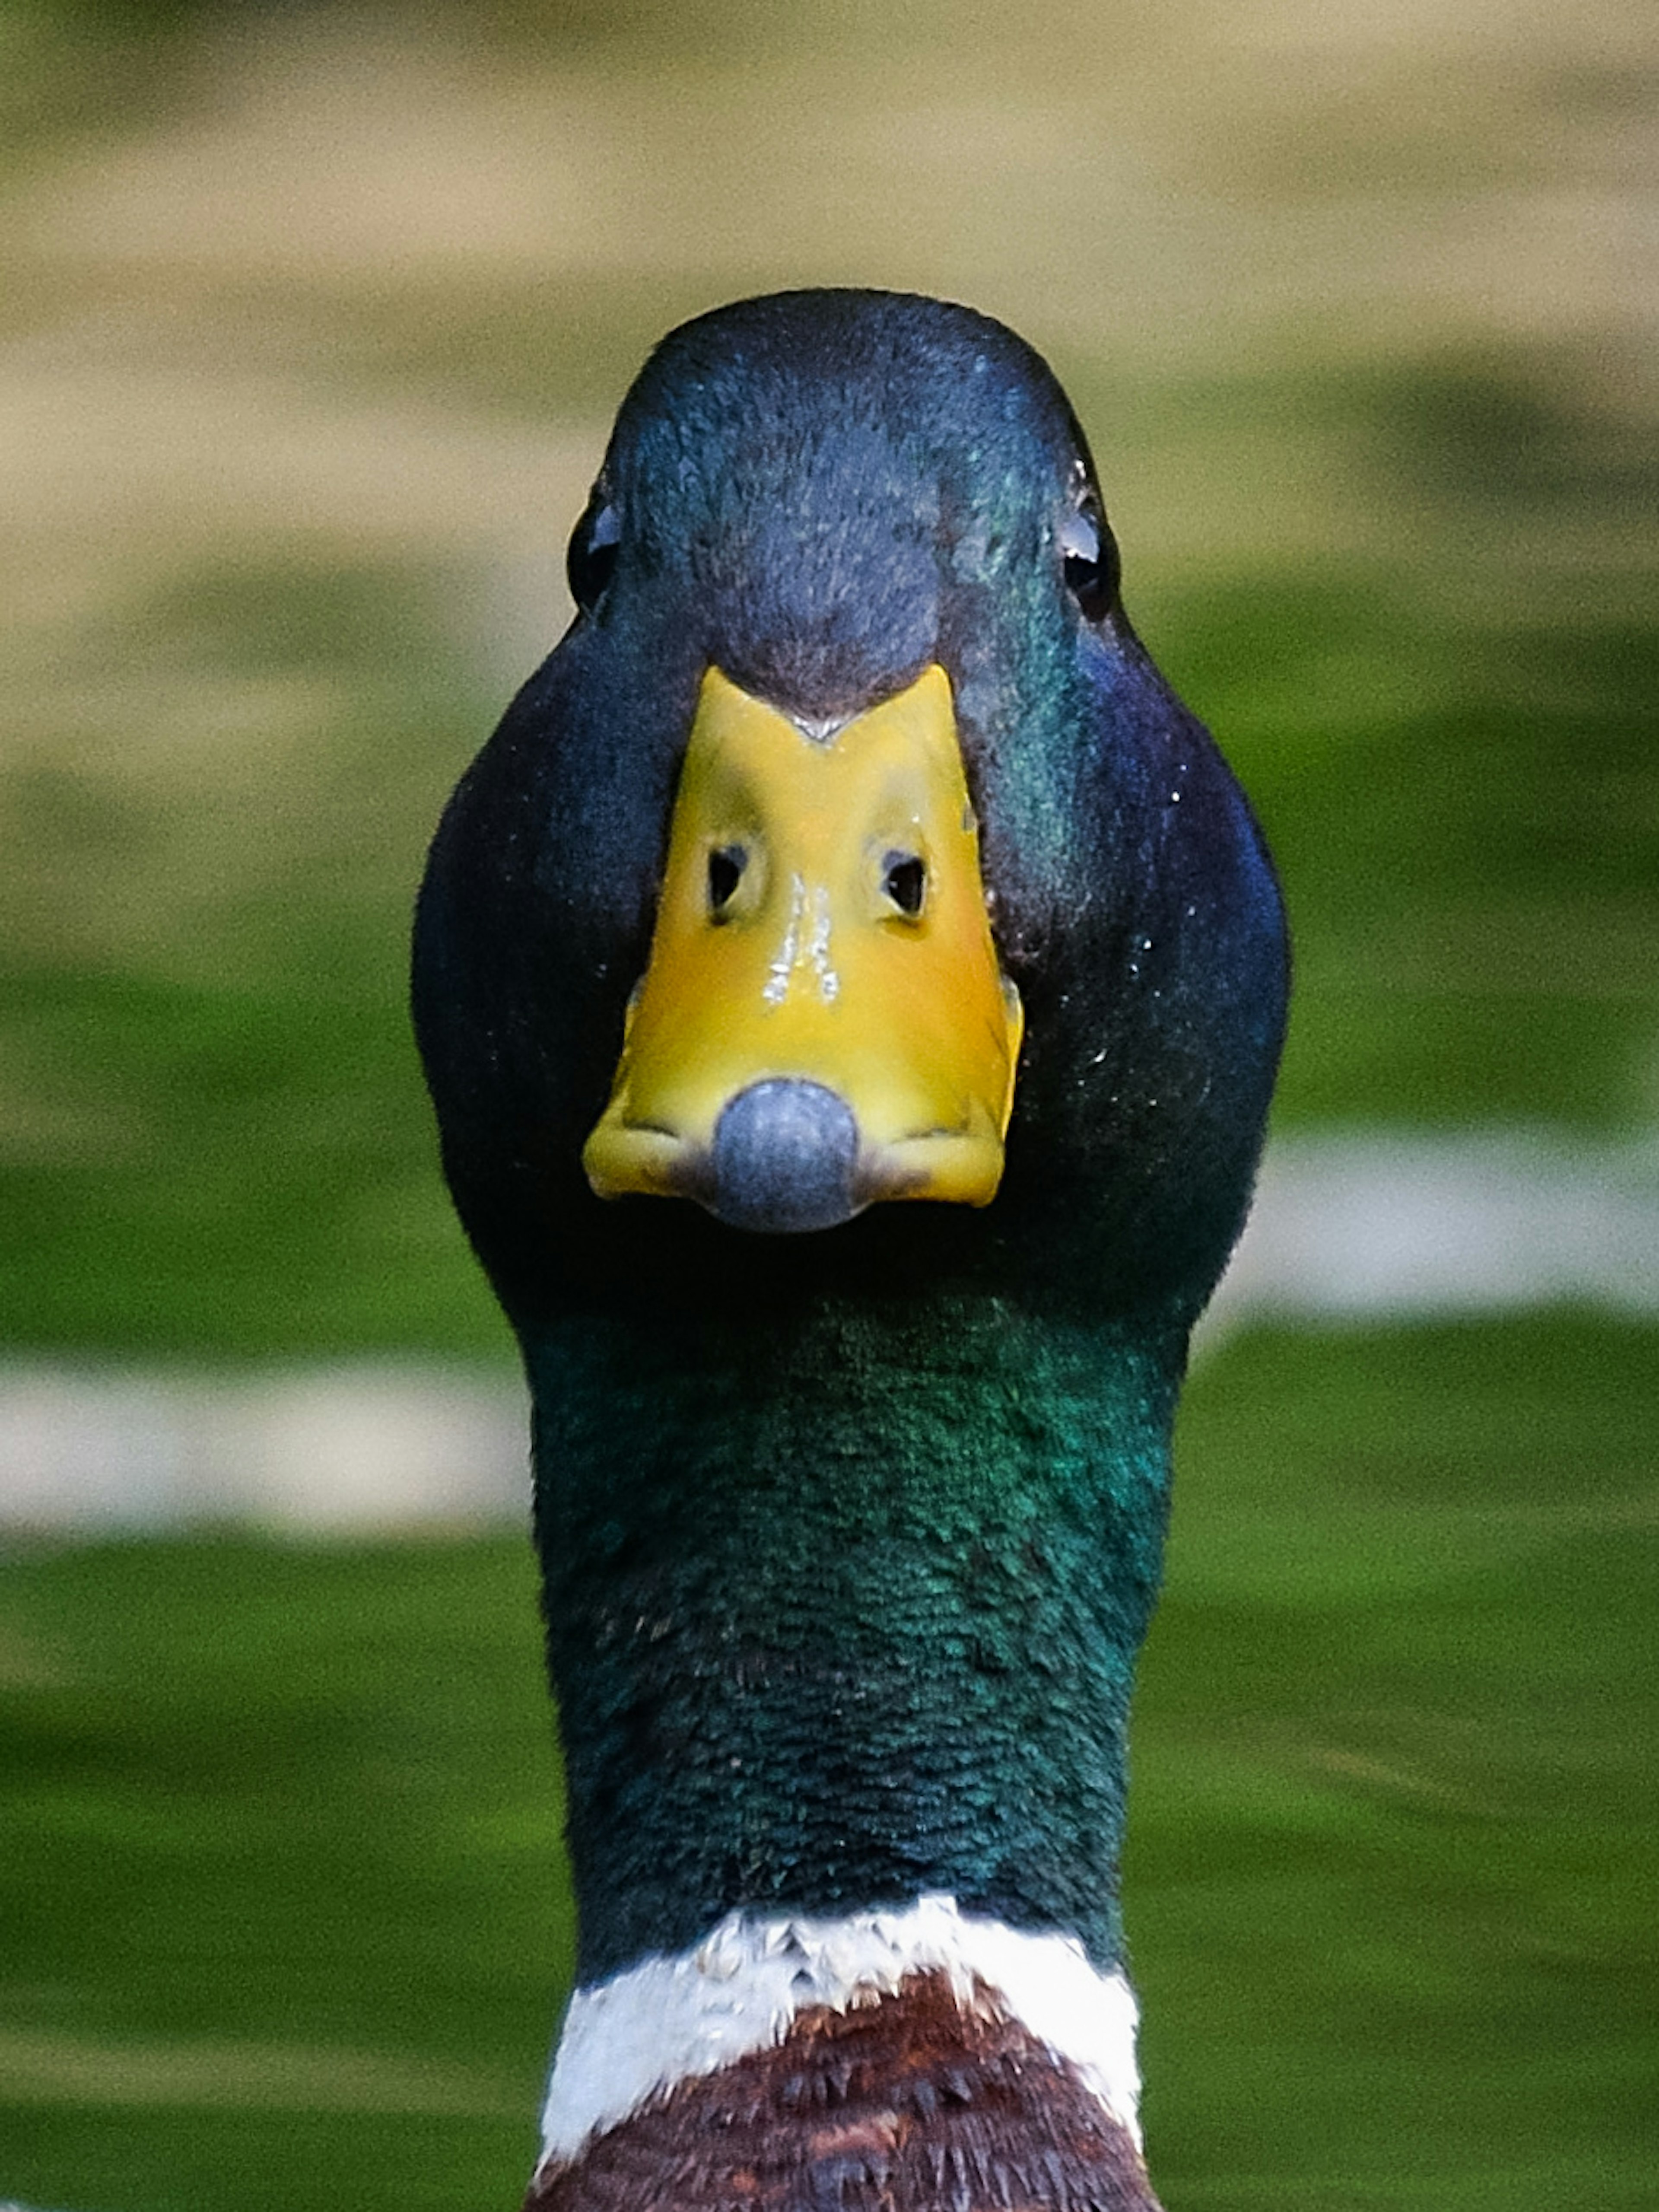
(1093, 572)
(725, 866)
(592, 553)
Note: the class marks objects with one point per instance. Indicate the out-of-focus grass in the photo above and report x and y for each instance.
(1390, 1887)
(286, 1919)
(286, 1923)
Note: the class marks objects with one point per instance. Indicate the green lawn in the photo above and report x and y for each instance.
(286, 1916)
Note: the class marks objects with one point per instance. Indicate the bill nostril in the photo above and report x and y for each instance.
(725, 866)
(784, 1156)
(904, 880)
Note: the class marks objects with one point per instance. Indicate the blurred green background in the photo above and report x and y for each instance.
(311, 326)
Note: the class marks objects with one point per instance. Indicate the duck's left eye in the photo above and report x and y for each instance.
(904, 880)
(1093, 572)
(592, 553)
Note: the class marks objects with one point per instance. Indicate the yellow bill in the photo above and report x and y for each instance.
(823, 1022)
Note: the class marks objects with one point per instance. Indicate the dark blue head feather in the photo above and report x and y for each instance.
(819, 493)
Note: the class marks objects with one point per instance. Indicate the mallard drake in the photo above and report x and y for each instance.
(851, 984)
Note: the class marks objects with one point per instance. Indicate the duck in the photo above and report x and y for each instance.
(850, 985)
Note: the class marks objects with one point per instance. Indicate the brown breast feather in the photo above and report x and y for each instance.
(911, 2103)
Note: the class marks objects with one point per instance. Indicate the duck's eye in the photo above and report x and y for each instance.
(904, 880)
(592, 553)
(1089, 552)
(725, 866)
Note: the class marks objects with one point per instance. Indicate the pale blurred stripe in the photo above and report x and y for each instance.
(1385, 1227)
(1389, 1225)
(41, 2069)
(344, 1449)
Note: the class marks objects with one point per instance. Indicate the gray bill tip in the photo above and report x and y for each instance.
(784, 1155)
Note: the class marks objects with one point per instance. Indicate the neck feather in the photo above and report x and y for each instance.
(844, 1611)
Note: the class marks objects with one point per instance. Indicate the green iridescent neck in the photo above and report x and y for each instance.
(844, 1609)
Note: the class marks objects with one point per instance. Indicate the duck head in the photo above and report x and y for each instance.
(851, 985)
